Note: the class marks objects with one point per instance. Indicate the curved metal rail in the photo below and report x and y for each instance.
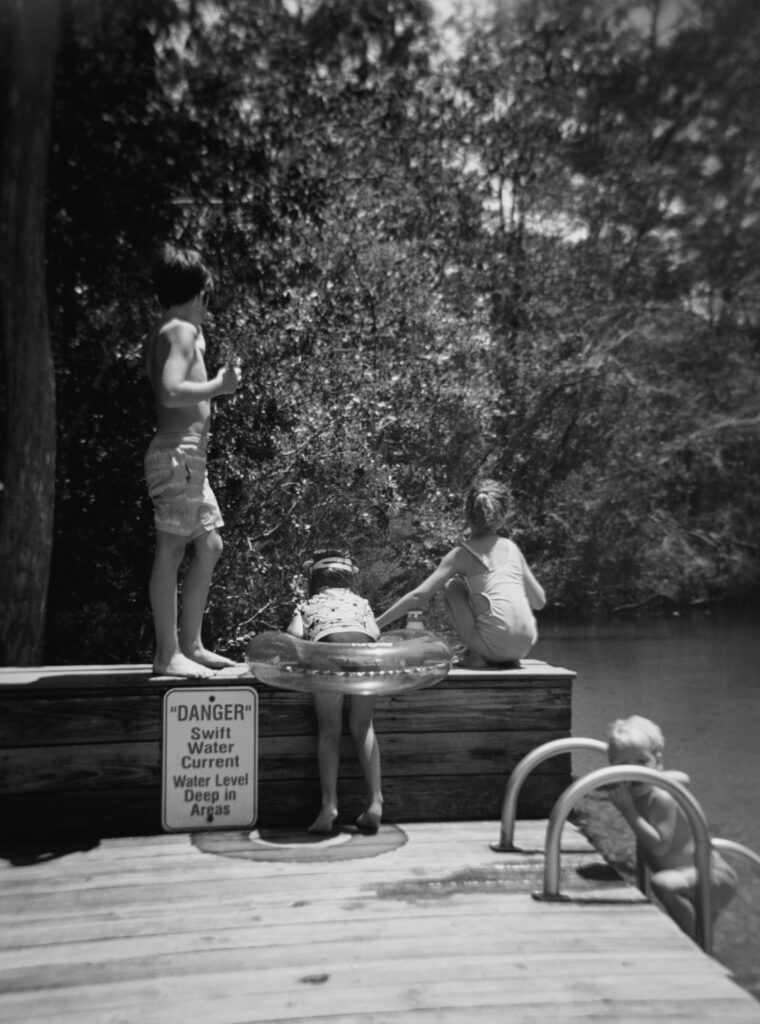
(729, 846)
(688, 804)
(520, 773)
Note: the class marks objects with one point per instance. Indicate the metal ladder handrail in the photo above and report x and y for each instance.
(729, 846)
(520, 773)
(571, 744)
(688, 804)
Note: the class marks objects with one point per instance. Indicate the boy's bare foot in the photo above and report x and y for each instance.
(185, 668)
(208, 659)
(323, 824)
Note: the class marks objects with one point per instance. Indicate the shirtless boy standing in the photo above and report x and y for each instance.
(185, 508)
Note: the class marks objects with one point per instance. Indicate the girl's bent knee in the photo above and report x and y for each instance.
(454, 586)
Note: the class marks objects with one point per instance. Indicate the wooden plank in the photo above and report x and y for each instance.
(273, 924)
(64, 676)
(114, 853)
(50, 939)
(99, 681)
(28, 721)
(70, 768)
(466, 842)
(118, 811)
(452, 709)
(184, 886)
(431, 983)
(268, 886)
(677, 1011)
(395, 954)
(411, 755)
(106, 765)
(71, 716)
(530, 669)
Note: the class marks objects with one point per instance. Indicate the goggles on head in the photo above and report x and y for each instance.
(334, 562)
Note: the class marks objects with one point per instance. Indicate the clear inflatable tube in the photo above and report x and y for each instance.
(405, 659)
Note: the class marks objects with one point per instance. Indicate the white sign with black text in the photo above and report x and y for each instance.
(210, 762)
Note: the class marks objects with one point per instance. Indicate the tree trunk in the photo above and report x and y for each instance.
(29, 33)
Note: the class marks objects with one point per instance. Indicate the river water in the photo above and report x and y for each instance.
(698, 676)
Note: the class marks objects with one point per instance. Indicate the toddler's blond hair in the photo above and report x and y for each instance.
(631, 731)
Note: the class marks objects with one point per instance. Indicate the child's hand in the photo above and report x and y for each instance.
(620, 797)
(229, 377)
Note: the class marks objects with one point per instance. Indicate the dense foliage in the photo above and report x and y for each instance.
(532, 253)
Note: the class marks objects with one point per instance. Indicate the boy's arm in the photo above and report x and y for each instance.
(655, 832)
(175, 389)
(420, 596)
(295, 626)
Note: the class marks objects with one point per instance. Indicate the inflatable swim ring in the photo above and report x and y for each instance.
(405, 659)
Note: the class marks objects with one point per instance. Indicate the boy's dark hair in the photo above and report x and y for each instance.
(179, 275)
(330, 567)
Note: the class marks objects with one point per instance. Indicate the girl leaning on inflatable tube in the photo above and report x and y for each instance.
(333, 649)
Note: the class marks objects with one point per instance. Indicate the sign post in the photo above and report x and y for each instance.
(210, 759)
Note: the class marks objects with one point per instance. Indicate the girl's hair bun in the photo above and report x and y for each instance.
(487, 505)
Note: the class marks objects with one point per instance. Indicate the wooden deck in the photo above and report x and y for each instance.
(420, 923)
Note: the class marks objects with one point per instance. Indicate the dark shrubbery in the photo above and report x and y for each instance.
(430, 265)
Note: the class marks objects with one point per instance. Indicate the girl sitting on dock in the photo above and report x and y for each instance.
(489, 590)
(334, 613)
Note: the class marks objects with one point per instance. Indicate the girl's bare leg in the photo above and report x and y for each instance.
(206, 551)
(456, 598)
(329, 709)
(169, 659)
(363, 733)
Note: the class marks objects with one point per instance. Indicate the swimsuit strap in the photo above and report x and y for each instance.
(473, 553)
(482, 558)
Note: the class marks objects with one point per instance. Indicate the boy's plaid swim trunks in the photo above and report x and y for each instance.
(175, 472)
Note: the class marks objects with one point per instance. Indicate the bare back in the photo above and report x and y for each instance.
(177, 346)
(489, 551)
